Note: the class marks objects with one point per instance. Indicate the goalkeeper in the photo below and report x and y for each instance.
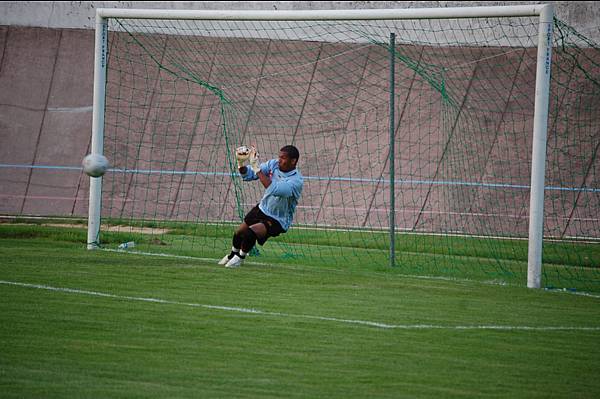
(274, 214)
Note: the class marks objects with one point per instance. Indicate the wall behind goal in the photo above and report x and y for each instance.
(584, 16)
(46, 95)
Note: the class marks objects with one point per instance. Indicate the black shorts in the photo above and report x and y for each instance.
(257, 216)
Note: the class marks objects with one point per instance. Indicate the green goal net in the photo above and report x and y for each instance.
(181, 95)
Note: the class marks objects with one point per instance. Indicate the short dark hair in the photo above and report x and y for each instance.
(291, 151)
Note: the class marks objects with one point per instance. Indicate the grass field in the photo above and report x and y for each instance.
(77, 323)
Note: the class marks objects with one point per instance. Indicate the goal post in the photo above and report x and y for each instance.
(97, 144)
(545, 16)
(538, 158)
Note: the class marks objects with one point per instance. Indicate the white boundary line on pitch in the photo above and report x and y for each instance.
(301, 316)
(211, 260)
(451, 279)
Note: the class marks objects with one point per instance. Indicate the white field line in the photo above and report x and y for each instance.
(304, 316)
(159, 254)
(413, 276)
(251, 262)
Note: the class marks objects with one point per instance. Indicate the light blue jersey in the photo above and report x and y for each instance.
(281, 197)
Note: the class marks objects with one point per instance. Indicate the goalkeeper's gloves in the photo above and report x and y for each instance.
(254, 162)
(242, 154)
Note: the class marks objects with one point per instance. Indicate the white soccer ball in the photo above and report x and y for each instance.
(95, 165)
(242, 154)
(243, 151)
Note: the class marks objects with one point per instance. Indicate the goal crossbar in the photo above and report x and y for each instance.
(314, 15)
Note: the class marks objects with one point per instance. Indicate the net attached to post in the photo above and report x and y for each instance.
(182, 95)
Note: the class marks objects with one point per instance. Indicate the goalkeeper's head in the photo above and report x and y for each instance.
(288, 158)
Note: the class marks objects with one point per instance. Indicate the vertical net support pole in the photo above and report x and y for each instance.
(538, 162)
(392, 151)
(100, 59)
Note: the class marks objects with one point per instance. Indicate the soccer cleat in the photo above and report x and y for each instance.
(224, 260)
(236, 261)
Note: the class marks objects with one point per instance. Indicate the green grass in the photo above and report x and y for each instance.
(82, 343)
(566, 265)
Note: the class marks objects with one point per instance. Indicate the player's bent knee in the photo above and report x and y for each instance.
(242, 230)
(259, 229)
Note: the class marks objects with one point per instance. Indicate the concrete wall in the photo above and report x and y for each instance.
(45, 122)
(583, 15)
(45, 117)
